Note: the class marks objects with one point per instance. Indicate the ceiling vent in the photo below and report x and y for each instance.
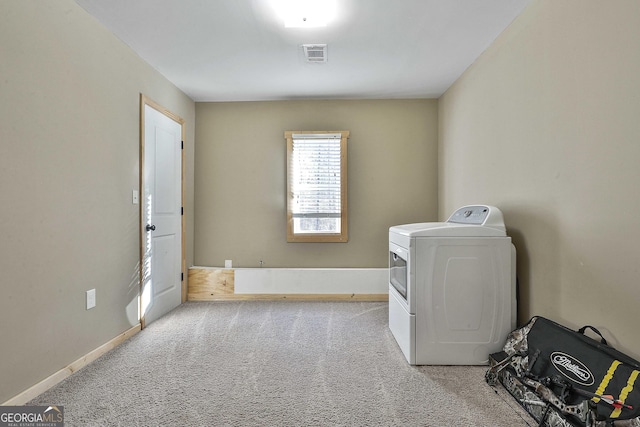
(315, 53)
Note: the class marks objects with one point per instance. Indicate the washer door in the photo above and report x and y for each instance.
(398, 273)
(401, 275)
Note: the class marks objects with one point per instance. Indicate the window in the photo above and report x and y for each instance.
(317, 186)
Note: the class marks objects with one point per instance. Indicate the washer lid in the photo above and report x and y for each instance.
(445, 229)
(468, 221)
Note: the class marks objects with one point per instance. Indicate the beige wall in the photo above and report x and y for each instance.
(546, 126)
(543, 125)
(69, 120)
(240, 178)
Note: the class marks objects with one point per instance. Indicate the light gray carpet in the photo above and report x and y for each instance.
(276, 363)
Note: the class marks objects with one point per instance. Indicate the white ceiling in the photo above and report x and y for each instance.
(237, 50)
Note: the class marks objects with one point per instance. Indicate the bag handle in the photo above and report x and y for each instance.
(584, 328)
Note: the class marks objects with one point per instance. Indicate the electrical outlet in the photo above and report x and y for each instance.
(228, 263)
(91, 299)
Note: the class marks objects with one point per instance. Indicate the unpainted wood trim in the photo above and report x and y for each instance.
(143, 101)
(299, 297)
(185, 279)
(151, 103)
(205, 284)
(44, 385)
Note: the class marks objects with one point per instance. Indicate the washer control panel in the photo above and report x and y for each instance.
(471, 215)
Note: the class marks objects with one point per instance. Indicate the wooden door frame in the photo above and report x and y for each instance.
(144, 101)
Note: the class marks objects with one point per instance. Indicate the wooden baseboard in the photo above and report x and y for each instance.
(65, 372)
(298, 297)
(209, 284)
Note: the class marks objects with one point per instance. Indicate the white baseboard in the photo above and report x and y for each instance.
(311, 280)
(65, 372)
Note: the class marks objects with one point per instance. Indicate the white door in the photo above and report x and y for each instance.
(161, 215)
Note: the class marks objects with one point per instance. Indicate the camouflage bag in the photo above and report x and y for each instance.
(563, 378)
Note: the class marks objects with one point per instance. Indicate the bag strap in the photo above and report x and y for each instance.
(584, 328)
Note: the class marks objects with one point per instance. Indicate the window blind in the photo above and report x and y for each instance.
(315, 182)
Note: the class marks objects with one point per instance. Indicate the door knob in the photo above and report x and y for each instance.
(150, 227)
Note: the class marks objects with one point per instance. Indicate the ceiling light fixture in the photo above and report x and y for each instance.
(305, 13)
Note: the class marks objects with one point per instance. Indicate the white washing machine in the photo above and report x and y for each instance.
(452, 287)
